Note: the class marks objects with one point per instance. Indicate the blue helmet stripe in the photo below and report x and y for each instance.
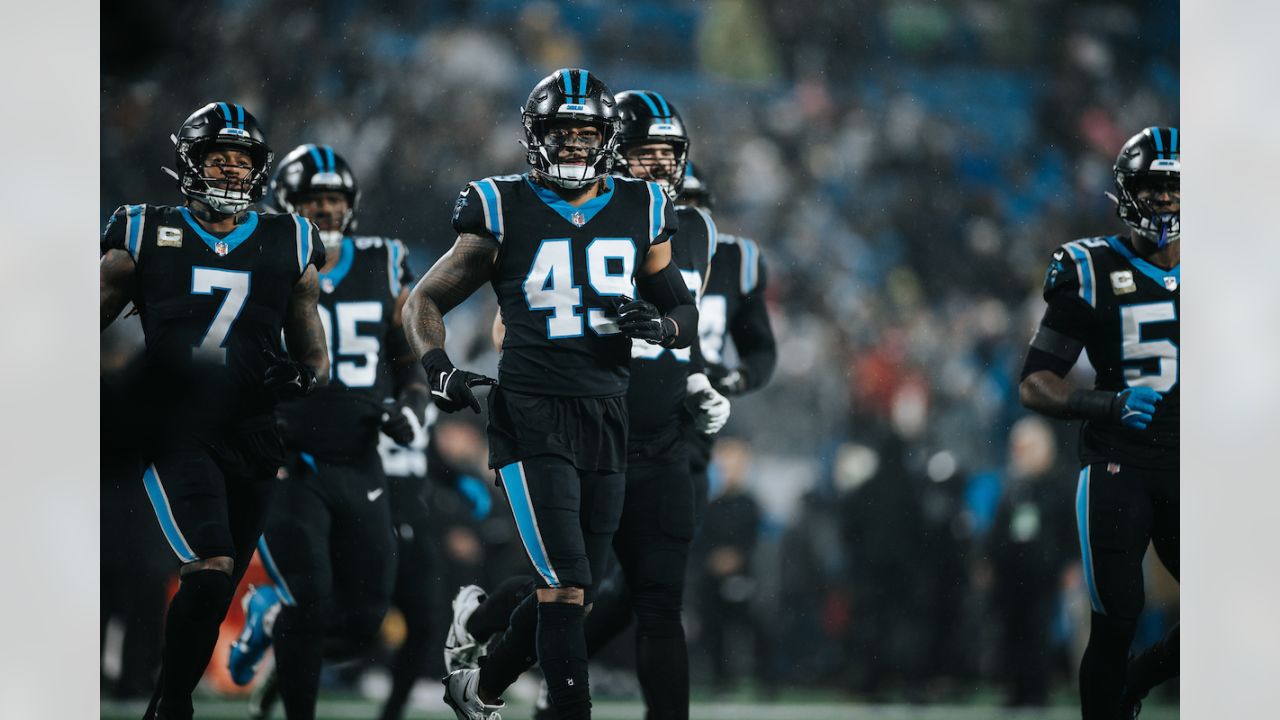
(566, 80)
(582, 85)
(315, 155)
(666, 109)
(1155, 132)
(240, 116)
(1173, 141)
(226, 114)
(328, 155)
(649, 101)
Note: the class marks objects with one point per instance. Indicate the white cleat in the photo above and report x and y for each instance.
(461, 649)
(462, 694)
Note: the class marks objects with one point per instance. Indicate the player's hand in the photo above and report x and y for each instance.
(1138, 406)
(477, 493)
(709, 408)
(640, 320)
(728, 382)
(401, 424)
(451, 387)
(287, 378)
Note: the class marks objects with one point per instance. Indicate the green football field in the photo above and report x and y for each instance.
(357, 709)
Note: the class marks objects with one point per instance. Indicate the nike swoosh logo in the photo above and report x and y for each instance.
(374, 494)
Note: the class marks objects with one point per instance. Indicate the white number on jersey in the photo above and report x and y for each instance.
(204, 281)
(549, 284)
(1132, 318)
(349, 342)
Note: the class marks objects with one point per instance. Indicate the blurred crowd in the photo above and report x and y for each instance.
(907, 166)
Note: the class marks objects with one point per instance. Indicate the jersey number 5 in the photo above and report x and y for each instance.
(1134, 348)
(549, 284)
(350, 342)
(204, 281)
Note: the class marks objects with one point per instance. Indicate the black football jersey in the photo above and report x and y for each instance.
(658, 374)
(558, 276)
(733, 293)
(211, 304)
(357, 307)
(1124, 310)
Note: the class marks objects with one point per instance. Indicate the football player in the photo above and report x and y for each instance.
(328, 545)
(565, 246)
(1116, 298)
(731, 308)
(214, 283)
(652, 542)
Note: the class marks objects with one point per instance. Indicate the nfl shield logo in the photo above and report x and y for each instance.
(1170, 283)
(326, 284)
(578, 219)
(1113, 468)
(221, 248)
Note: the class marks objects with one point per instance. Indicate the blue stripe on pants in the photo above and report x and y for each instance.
(1086, 551)
(514, 481)
(164, 513)
(273, 571)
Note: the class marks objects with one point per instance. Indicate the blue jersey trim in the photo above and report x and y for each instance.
(1081, 257)
(492, 200)
(713, 235)
(346, 257)
(233, 238)
(658, 203)
(1155, 273)
(135, 228)
(588, 210)
(513, 480)
(749, 275)
(1086, 549)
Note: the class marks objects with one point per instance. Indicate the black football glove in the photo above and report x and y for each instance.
(728, 382)
(640, 320)
(287, 378)
(451, 387)
(403, 420)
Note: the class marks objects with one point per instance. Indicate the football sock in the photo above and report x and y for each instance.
(662, 666)
(299, 646)
(190, 632)
(512, 652)
(1102, 671)
(493, 615)
(1154, 665)
(562, 653)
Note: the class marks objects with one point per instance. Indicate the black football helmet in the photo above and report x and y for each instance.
(1149, 158)
(569, 94)
(646, 117)
(695, 192)
(316, 168)
(220, 125)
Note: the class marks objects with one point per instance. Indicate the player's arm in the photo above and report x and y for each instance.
(667, 314)
(498, 332)
(406, 418)
(116, 282)
(753, 337)
(1054, 349)
(303, 332)
(460, 272)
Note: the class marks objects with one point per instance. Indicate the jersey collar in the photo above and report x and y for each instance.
(233, 238)
(1158, 274)
(329, 280)
(583, 212)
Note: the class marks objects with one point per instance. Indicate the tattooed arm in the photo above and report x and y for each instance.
(302, 329)
(115, 285)
(455, 276)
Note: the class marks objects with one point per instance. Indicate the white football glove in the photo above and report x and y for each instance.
(709, 408)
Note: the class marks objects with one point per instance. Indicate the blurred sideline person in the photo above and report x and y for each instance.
(668, 400)
(328, 545)
(565, 247)
(726, 584)
(1117, 298)
(1031, 546)
(215, 284)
